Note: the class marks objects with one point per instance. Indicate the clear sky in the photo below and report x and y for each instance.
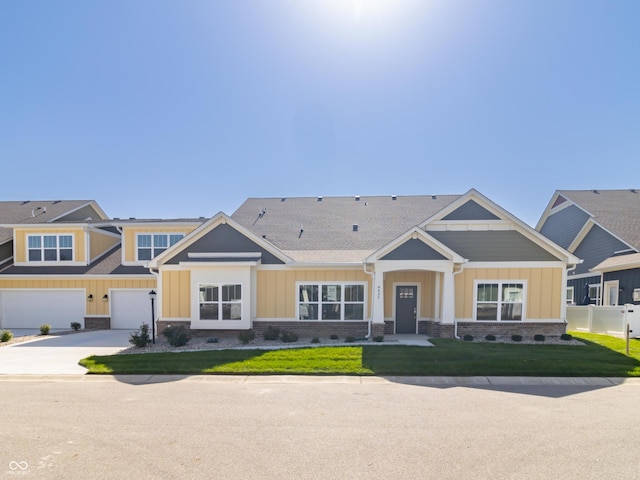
(185, 108)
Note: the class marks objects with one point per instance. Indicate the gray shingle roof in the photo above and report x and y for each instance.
(616, 210)
(328, 224)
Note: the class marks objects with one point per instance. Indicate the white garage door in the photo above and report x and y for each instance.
(32, 308)
(130, 308)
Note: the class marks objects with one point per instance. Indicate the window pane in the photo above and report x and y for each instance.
(144, 241)
(160, 241)
(50, 255)
(308, 311)
(208, 311)
(208, 293)
(511, 311)
(50, 241)
(512, 292)
(231, 293)
(158, 251)
(354, 293)
(35, 255)
(66, 254)
(330, 311)
(144, 254)
(231, 311)
(487, 292)
(354, 311)
(308, 293)
(35, 242)
(487, 311)
(175, 238)
(66, 241)
(331, 293)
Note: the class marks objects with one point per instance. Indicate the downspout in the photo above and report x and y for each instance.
(373, 279)
(455, 320)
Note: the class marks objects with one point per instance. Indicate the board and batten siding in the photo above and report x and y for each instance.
(20, 236)
(98, 287)
(176, 293)
(129, 234)
(426, 280)
(544, 289)
(99, 243)
(276, 289)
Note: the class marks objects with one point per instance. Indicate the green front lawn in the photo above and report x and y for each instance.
(602, 356)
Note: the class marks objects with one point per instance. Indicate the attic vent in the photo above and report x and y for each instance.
(357, 198)
(355, 227)
(434, 197)
(320, 198)
(595, 191)
(394, 197)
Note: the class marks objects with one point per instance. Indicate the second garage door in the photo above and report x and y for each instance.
(32, 308)
(130, 308)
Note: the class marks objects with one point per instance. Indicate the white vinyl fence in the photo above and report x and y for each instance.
(608, 320)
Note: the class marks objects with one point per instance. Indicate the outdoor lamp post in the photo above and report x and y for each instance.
(152, 296)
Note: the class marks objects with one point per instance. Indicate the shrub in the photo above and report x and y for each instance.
(5, 336)
(566, 337)
(177, 335)
(378, 338)
(490, 338)
(333, 336)
(140, 338)
(76, 326)
(315, 340)
(246, 337)
(288, 337)
(538, 338)
(272, 333)
(212, 339)
(516, 338)
(45, 328)
(349, 339)
(468, 338)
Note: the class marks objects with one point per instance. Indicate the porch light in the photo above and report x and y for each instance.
(105, 298)
(152, 297)
(90, 297)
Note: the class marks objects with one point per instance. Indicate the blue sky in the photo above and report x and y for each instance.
(171, 109)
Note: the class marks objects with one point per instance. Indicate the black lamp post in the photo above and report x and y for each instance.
(152, 296)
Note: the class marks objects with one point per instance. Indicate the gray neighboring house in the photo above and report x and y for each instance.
(602, 227)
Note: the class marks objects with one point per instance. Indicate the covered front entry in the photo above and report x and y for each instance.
(406, 308)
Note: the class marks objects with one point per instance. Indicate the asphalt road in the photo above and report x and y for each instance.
(88, 427)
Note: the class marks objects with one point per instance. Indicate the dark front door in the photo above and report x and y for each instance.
(406, 308)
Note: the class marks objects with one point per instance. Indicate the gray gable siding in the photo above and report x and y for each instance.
(471, 210)
(81, 214)
(497, 246)
(562, 227)
(6, 250)
(596, 246)
(224, 239)
(414, 249)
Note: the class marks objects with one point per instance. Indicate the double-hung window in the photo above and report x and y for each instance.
(220, 302)
(331, 301)
(50, 248)
(500, 301)
(150, 245)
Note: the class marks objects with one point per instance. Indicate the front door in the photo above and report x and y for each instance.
(406, 308)
(610, 293)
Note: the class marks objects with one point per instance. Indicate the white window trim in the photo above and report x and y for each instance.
(152, 234)
(342, 302)
(500, 283)
(220, 302)
(42, 249)
(570, 300)
(598, 298)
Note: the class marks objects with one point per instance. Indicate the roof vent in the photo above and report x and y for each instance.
(200, 218)
(357, 198)
(301, 230)
(116, 218)
(633, 190)
(319, 198)
(283, 199)
(394, 197)
(132, 218)
(33, 212)
(25, 202)
(355, 227)
(264, 236)
(595, 191)
(434, 197)
(57, 201)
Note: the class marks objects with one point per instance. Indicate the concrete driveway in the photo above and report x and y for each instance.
(60, 355)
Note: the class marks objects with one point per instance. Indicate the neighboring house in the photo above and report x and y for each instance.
(602, 227)
(439, 265)
(67, 262)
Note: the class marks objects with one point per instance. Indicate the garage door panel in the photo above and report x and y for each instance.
(130, 308)
(32, 308)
